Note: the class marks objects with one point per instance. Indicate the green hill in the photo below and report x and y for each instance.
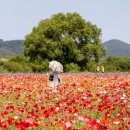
(5, 52)
(113, 47)
(11, 48)
(117, 47)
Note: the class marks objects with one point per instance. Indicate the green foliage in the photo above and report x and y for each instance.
(72, 68)
(91, 66)
(40, 66)
(20, 59)
(15, 64)
(23, 62)
(12, 67)
(2, 69)
(67, 38)
(116, 63)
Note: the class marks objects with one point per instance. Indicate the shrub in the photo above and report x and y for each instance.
(72, 68)
(91, 66)
(22, 62)
(14, 67)
(40, 66)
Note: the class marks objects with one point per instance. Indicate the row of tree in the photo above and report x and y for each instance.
(21, 63)
(69, 39)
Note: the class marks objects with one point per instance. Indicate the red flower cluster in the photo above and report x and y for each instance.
(81, 103)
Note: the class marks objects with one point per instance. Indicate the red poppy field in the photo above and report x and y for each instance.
(81, 103)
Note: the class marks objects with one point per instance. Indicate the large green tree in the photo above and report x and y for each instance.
(67, 38)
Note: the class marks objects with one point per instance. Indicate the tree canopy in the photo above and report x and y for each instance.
(67, 38)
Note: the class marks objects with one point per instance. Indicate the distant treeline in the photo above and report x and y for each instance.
(21, 63)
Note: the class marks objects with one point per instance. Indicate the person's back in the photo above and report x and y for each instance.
(102, 69)
(97, 69)
(54, 79)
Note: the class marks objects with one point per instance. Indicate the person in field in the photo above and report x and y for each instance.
(98, 68)
(54, 78)
(102, 69)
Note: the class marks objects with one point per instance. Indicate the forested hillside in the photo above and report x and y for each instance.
(117, 48)
(11, 48)
(113, 47)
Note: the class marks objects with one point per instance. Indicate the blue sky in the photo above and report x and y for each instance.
(18, 17)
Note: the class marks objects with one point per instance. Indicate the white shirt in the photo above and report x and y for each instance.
(54, 82)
